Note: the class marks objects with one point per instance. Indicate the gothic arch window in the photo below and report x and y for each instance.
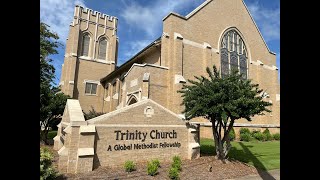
(102, 51)
(233, 54)
(85, 45)
(132, 100)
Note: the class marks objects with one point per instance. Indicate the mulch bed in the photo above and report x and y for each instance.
(191, 169)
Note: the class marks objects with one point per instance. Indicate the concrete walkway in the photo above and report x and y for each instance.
(272, 175)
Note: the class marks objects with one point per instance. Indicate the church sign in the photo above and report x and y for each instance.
(139, 132)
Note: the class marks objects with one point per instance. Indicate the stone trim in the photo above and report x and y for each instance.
(87, 129)
(63, 151)
(112, 113)
(179, 79)
(146, 77)
(71, 82)
(61, 83)
(257, 28)
(260, 63)
(143, 65)
(205, 45)
(85, 152)
(91, 81)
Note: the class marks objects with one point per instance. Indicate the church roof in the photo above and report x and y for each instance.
(132, 60)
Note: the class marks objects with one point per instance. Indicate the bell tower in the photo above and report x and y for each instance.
(90, 54)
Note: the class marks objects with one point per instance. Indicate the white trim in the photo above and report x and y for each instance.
(91, 81)
(61, 83)
(143, 65)
(112, 113)
(259, 63)
(177, 36)
(107, 98)
(257, 28)
(71, 82)
(115, 96)
(85, 152)
(197, 9)
(179, 79)
(133, 92)
(277, 97)
(198, 45)
(164, 34)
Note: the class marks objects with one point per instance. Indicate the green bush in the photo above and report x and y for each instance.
(152, 168)
(129, 166)
(51, 134)
(268, 135)
(244, 131)
(232, 135)
(259, 136)
(173, 173)
(176, 163)
(46, 169)
(156, 162)
(276, 136)
(176, 159)
(245, 137)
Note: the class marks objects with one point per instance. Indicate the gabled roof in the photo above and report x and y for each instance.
(203, 5)
(131, 61)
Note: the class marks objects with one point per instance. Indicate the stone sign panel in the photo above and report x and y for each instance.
(139, 132)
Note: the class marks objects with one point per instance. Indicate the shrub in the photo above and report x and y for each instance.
(268, 135)
(232, 135)
(276, 136)
(245, 137)
(176, 159)
(156, 162)
(92, 114)
(51, 134)
(129, 166)
(46, 169)
(244, 131)
(255, 132)
(173, 173)
(152, 168)
(259, 136)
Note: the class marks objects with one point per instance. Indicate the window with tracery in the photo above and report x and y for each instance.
(233, 54)
(85, 45)
(102, 52)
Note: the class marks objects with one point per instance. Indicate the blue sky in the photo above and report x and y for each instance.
(134, 36)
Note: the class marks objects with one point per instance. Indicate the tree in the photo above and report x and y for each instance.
(222, 101)
(52, 101)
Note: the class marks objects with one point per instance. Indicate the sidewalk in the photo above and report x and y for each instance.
(272, 174)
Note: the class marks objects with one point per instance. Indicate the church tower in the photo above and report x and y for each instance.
(90, 54)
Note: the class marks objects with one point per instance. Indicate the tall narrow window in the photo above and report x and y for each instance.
(91, 88)
(85, 45)
(233, 56)
(102, 53)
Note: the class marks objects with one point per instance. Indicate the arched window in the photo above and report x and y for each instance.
(85, 45)
(132, 99)
(102, 52)
(233, 54)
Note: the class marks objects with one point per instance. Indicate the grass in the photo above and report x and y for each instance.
(262, 155)
(52, 134)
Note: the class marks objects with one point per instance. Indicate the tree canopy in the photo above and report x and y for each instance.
(52, 101)
(222, 101)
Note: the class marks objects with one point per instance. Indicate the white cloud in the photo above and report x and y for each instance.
(132, 48)
(58, 15)
(268, 20)
(149, 18)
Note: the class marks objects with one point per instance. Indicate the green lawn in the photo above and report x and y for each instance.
(262, 155)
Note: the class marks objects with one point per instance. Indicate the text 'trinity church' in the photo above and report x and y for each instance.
(218, 32)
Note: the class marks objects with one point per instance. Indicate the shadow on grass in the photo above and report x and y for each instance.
(243, 155)
(256, 163)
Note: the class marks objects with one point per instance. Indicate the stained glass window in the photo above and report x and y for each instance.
(233, 54)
